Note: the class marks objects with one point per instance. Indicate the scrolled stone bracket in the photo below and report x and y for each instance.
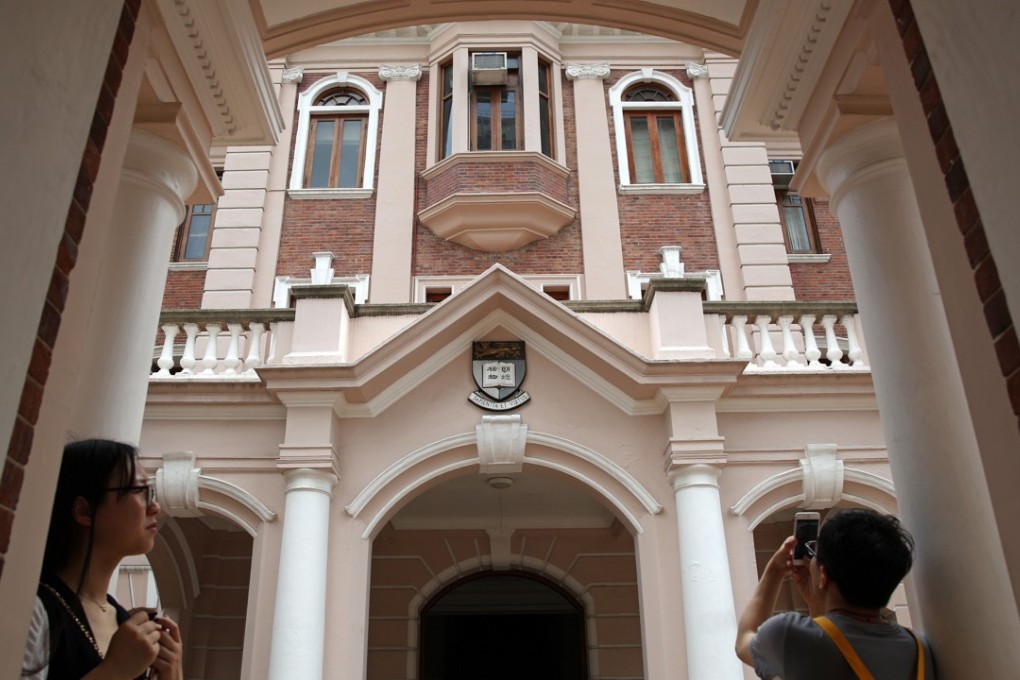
(823, 476)
(293, 75)
(501, 441)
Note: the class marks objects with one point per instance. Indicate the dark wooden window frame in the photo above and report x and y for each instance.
(810, 226)
(184, 233)
(335, 156)
(652, 116)
(513, 84)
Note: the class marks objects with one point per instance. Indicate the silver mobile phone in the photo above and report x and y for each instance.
(805, 528)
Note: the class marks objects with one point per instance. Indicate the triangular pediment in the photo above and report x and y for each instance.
(500, 305)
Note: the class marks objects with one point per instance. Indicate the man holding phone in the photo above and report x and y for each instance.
(851, 571)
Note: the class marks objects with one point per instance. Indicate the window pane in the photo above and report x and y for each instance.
(544, 122)
(447, 130)
(669, 150)
(508, 125)
(543, 77)
(198, 236)
(322, 154)
(350, 154)
(796, 229)
(483, 120)
(641, 149)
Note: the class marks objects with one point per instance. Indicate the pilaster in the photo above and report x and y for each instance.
(393, 238)
(602, 244)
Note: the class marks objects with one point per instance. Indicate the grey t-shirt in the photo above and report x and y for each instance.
(793, 647)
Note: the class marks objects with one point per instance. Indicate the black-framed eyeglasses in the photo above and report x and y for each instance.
(148, 489)
(812, 548)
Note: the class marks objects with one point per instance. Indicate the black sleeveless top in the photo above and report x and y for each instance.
(73, 651)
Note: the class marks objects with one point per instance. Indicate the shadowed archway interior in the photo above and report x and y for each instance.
(503, 625)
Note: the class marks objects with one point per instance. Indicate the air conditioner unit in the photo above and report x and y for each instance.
(488, 68)
(782, 173)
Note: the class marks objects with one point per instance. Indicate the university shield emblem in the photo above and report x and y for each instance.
(498, 369)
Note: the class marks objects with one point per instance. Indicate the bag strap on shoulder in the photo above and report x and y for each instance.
(847, 650)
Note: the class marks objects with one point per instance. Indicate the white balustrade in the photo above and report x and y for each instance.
(793, 331)
(209, 353)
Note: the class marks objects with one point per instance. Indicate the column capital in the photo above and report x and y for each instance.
(400, 72)
(869, 146)
(695, 70)
(293, 75)
(309, 479)
(683, 454)
(160, 166)
(696, 474)
(597, 71)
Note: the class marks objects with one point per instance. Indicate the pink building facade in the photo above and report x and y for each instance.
(510, 347)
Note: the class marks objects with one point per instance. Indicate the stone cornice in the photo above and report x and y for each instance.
(219, 45)
(599, 71)
(787, 47)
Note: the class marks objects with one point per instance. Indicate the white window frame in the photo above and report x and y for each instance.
(306, 108)
(684, 104)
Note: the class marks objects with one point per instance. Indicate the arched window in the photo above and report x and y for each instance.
(656, 144)
(336, 138)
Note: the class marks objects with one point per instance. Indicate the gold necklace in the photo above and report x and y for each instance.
(105, 606)
(84, 629)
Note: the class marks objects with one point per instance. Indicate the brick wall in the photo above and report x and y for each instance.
(648, 222)
(20, 445)
(184, 289)
(343, 226)
(433, 256)
(968, 217)
(824, 281)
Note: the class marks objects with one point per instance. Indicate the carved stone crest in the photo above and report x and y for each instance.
(498, 369)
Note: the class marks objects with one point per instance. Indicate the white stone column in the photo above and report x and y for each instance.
(299, 618)
(602, 246)
(393, 240)
(923, 404)
(709, 618)
(156, 178)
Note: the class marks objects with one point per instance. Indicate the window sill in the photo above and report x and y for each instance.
(642, 189)
(329, 194)
(188, 266)
(808, 258)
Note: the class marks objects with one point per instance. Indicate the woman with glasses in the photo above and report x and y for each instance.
(104, 510)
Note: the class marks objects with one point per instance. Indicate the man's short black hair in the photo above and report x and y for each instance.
(866, 554)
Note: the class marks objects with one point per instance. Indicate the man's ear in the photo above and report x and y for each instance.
(823, 578)
(81, 511)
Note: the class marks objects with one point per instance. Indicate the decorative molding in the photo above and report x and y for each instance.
(823, 476)
(787, 47)
(808, 258)
(178, 488)
(599, 71)
(293, 75)
(401, 72)
(696, 70)
(501, 442)
(219, 45)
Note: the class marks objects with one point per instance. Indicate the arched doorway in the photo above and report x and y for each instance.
(502, 626)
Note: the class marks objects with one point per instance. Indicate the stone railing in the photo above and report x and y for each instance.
(220, 342)
(784, 336)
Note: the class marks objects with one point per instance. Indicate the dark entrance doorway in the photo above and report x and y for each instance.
(503, 626)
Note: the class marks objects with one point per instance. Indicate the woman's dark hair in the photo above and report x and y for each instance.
(86, 470)
(866, 554)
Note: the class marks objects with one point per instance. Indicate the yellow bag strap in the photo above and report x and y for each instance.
(847, 650)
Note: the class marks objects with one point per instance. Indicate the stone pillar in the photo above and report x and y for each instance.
(299, 618)
(710, 623)
(604, 277)
(923, 404)
(393, 239)
(156, 178)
